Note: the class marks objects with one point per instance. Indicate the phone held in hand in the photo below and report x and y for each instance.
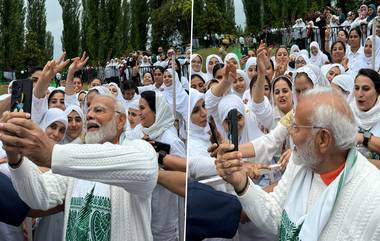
(21, 97)
(160, 146)
(233, 128)
(244, 51)
(214, 136)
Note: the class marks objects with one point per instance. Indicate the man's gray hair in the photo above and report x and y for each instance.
(342, 124)
(119, 107)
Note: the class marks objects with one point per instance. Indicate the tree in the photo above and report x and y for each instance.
(214, 17)
(125, 25)
(139, 28)
(170, 20)
(70, 34)
(35, 39)
(49, 45)
(12, 16)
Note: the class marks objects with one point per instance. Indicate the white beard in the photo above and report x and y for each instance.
(106, 133)
(306, 155)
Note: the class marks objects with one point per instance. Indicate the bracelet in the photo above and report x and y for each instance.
(17, 164)
(241, 192)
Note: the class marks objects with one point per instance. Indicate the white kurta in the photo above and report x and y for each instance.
(356, 215)
(129, 168)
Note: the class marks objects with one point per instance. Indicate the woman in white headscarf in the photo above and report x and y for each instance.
(366, 108)
(201, 164)
(316, 56)
(234, 58)
(345, 84)
(76, 122)
(329, 71)
(115, 90)
(367, 58)
(240, 84)
(196, 65)
(211, 60)
(157, 121)
(133, 129)
(54, 123)
(294, 49)
(301, 60)
(182, 97)
(250, 67)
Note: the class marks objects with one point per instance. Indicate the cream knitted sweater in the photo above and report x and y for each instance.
(356, 215)
(130, 169)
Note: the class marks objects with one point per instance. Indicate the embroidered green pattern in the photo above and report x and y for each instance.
(288, 230)
(89, 218)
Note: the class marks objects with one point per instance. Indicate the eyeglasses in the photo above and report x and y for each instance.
(99, 110)
(296, 127)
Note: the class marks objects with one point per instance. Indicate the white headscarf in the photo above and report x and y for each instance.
(305, 53)
(251, 130)
(367, 61)
(304, 57)
(53, 115)
(77, 109)
(182, 98)
(208, 59)
(318, 59)
(198, 72)
(119, 95)
(314, 74)
(164, 118)
(327, 67)
(134, 104)
(230, 56)
(246, 82)
(347, 83)
(250, 61)
(294, 50)
(196, 132)
(367, 119)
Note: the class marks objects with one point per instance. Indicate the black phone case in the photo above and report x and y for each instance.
(22, 95)
(233, 128)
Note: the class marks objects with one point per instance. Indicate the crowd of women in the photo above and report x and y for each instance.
(62, 114)
(264, 91)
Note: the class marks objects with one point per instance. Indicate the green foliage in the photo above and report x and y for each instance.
(36, 20)
(12, 15)
(213, 16)
(70, 34)
(139, 28)
(49, 45)
(169, 19)
(35, 52)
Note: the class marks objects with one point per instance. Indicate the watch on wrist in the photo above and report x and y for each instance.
(366, 136)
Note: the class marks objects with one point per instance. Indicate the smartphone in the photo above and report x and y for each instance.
(160, 146)
(214, 136)
(233, 128)
(21, 97)
(244, 51)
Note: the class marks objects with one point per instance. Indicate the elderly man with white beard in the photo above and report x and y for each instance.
(329, 191)
(106, 187)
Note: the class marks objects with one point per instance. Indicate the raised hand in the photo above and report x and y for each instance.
(78, 63)
(230, 71)
(52, 68)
